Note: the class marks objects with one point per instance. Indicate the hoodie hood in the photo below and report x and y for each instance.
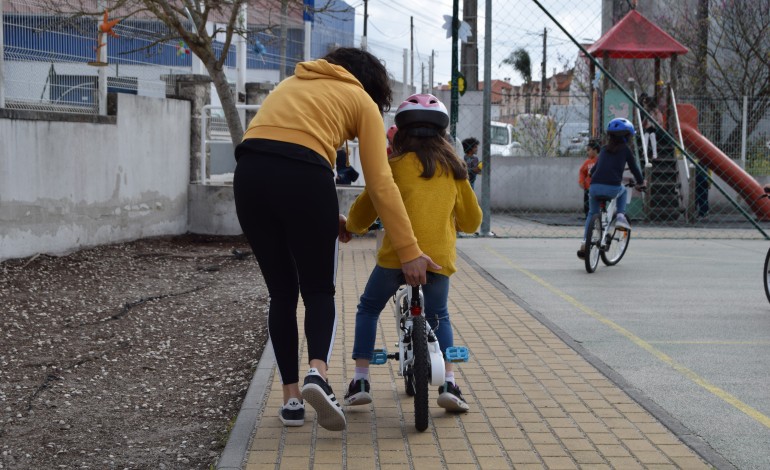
(320, 69)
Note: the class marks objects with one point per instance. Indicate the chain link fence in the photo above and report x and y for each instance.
(561, 70)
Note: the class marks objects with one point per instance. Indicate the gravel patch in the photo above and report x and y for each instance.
(134, 355)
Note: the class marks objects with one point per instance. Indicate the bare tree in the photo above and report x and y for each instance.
(731, 59)
(200, 24)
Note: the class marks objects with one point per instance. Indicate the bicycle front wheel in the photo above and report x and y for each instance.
(616, 247)
(592, 243)
(421, 372)
(767, 275)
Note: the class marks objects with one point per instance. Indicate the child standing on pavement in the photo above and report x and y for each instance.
(584, 175)
(434, 185)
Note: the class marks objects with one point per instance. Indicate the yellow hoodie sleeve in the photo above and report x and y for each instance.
(384, 194)
(361, 215)
(467, 211)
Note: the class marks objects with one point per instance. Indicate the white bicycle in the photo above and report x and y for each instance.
(420, 360)
(605, 240)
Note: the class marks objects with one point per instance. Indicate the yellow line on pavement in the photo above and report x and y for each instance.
(717, 343)
(724, 395)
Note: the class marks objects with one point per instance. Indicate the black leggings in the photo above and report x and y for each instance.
(287, 207)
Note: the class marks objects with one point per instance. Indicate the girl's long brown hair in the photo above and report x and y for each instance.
(615, 142)
(434, 152)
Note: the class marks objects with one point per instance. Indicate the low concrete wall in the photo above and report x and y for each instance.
(535, 184)
(212, 208)
(68, 182)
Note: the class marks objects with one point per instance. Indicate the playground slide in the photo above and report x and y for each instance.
(714, 159)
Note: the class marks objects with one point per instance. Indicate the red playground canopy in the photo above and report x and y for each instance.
(636, 37)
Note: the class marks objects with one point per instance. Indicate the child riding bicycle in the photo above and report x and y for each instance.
(439, 200)
(607, 175)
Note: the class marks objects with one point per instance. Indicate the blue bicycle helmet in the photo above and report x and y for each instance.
(620, 126)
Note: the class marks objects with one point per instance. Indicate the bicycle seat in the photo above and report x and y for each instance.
(604, 198)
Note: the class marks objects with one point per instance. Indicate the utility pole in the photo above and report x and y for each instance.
(422, 77)
(430, 71)
(411, 51)
(543, 81)
(364, 44)
(469, 51)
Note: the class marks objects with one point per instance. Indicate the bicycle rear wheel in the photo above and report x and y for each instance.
(421, 372)
(592, 243)
(767, 275)
(616, 247)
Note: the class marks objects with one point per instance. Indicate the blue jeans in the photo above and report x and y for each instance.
(382, 285)
(604, 190)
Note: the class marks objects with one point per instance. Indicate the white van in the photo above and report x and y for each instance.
(501, 140)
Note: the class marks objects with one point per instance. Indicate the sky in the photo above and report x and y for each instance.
(516, 23)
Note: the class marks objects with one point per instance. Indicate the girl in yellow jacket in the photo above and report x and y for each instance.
(433, 182)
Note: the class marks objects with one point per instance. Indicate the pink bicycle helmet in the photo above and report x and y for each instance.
(391, 132)
(422, 109)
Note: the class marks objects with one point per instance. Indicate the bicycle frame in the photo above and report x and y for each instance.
(405, 308)
(607, 211)
(605, 241)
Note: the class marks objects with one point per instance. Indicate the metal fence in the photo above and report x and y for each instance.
(558, 78)
(52, 62)
(560, 70)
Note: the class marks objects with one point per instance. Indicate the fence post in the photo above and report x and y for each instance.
(744, 130)
(2, 59)
(197, 90)
(256, 94)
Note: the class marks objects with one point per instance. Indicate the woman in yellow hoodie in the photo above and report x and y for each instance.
(293, 227)
(433, 181)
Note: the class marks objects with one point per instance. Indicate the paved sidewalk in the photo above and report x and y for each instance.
(535, 402)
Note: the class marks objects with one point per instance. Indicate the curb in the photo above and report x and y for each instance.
(236, 450)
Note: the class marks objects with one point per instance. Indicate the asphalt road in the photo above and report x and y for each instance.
(686, 322)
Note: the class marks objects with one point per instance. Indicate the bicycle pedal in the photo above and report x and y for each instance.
(457, 354)
(380, 357)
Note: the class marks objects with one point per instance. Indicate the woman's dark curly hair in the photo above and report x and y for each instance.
(368, 70)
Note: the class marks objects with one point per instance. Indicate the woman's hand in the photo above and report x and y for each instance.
(342, 233)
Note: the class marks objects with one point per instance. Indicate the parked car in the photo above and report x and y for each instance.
(501, 140)
(577, 144)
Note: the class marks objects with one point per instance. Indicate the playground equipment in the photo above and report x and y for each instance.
(715, 160)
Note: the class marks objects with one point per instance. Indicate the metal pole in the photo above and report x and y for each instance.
(744, 130)
(411, 52)
(2, 59)
(240, 51)
(543, 74)
(404, 90)
(486, 187)
(455, 96)
(364, 44)
(101, 86)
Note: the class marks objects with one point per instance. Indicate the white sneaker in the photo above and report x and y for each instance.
(622, 223)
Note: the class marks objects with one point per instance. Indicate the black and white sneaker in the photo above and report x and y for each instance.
(451, 399)
(319, 394)
(358, 393)
(292, 413)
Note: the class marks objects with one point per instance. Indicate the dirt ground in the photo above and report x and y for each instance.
(135, 355)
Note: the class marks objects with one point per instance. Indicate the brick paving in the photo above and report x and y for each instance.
(535, 402)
